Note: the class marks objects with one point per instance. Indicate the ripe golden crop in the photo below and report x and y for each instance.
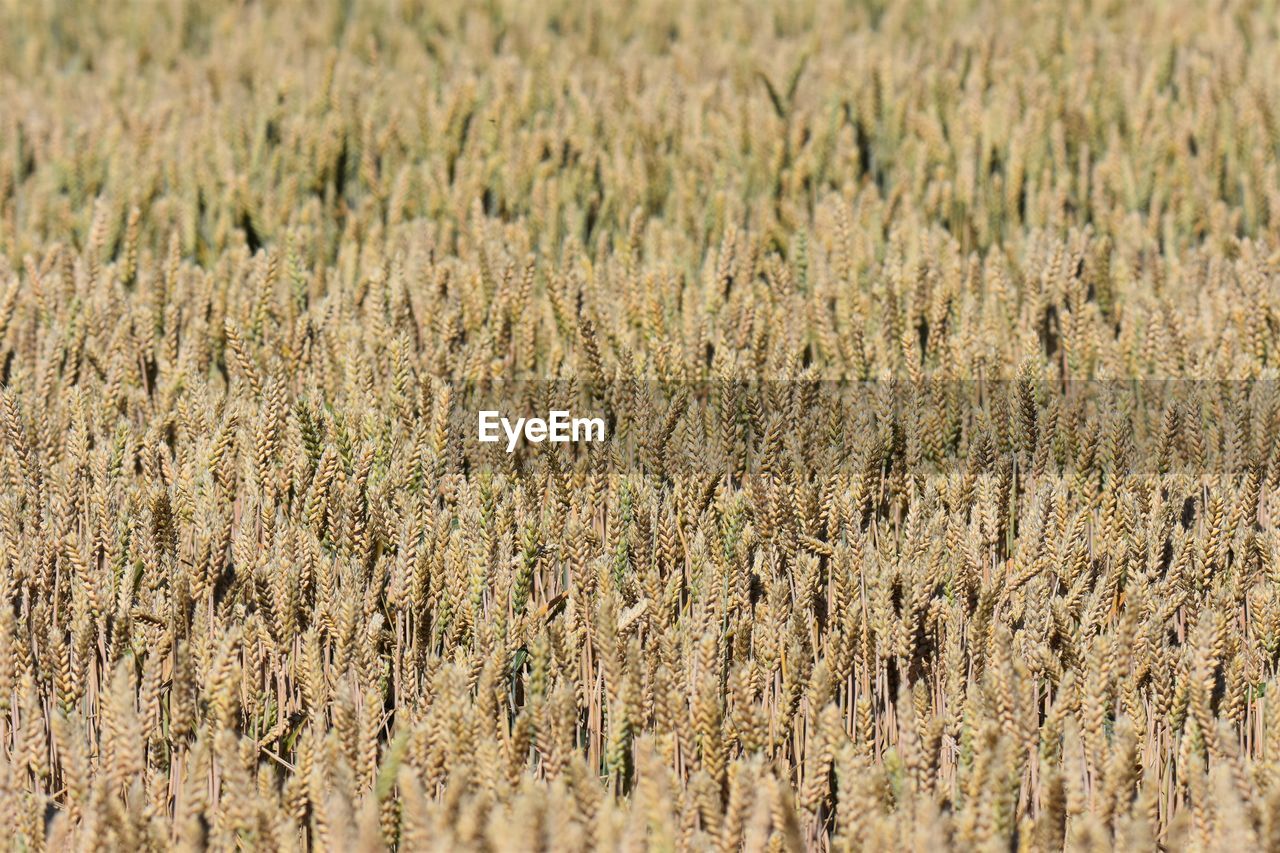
(936, 349)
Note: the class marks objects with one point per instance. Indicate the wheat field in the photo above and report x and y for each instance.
(939, 347)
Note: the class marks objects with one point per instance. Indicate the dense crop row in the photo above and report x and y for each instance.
(897, 542)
